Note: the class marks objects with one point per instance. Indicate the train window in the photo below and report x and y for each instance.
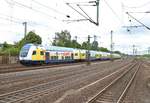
(24, 51)
(83, 54)
(34, 53)
(65, 57)
(41, 53)
(76, 54)
(52, 57)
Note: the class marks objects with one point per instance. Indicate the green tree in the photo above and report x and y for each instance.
(117, 52)
(31, 37)
(94, 45)
(5, 45)
(75, 44)
(86, 45)
(103, 49)
(8, 49)
(63, 39)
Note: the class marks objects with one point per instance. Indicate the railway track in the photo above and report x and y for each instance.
(6, 79)
(17, 67)
(40, 78)
(116, 90)
(28, 94)
(23, 68)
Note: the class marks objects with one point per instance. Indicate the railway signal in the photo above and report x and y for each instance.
(88, 52)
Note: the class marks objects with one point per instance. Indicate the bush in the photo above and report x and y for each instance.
(10, 51)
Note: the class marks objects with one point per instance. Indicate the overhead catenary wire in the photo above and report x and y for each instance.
(138, 21)
(139, 6)
(77, 11)
(83, 13)
(86, 14)
(19, 21)
(86, 2)
(113, 11)
(9, 19)
(50, 8)
(144, 12)
(139, 12)
(36, 10)
(78, 20)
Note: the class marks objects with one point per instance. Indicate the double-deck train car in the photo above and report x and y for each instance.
(37, 54)
(56, 54)
(32, 54)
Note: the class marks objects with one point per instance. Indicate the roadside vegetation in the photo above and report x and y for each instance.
(62, 39)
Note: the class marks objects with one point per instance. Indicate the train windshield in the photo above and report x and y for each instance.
(24, 50)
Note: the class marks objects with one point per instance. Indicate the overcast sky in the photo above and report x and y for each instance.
(48, 18)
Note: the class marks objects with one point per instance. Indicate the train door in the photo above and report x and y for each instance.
(72, 56)
(47, 57)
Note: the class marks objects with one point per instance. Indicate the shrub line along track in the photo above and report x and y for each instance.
(31, 92)
(106, 94)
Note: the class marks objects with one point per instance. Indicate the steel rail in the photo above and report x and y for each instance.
(35, 92)
(128, 85)
(95, 97)
(23, 68)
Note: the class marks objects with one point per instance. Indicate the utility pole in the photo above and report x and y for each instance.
(97, 3)
(76, 38)
(55, 40)
(111, 45)
(136, 52)
(95, 37)
(25, 29)
(133, 50)
(88, 52)
(76, 41)
(148, 50)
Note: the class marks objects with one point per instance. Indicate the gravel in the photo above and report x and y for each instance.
(139, 91)
(80, 76)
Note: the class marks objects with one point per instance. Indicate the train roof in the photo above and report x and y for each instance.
(57, 48)
(49, 48)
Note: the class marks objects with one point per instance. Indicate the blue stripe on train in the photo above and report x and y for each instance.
(58, 61)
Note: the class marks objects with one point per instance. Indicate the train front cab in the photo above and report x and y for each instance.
(38, 56)
(32, 54)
